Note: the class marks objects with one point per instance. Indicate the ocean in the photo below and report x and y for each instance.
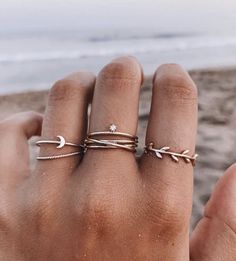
(34, 59)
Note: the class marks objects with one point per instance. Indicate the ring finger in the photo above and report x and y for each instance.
(172, 126)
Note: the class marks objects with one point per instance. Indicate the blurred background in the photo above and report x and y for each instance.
(41, 41)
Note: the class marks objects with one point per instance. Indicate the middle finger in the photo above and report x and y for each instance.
(116, 101)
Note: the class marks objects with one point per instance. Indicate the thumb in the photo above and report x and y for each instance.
(215, 235)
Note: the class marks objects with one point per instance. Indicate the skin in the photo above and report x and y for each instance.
(107, 205)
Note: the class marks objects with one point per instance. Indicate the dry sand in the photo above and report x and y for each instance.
(217, 123)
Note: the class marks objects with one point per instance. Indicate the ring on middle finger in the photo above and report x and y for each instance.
(113, 140)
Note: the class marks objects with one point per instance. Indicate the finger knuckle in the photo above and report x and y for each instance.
(15, 123)
(96, 210)
(67, 89)
(174, 82)
(96, 216)
(41, 213)
(123, 69)
(168, 216)
(30, 114)
(9, 127)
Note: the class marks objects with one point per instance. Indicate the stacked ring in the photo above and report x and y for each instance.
(94, 140)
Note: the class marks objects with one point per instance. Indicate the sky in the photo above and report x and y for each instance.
(18, 15)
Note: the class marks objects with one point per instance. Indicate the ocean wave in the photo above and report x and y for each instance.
(96, 36)
(114, 48)
(118, 37)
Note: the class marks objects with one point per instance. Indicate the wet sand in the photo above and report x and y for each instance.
(216, 133)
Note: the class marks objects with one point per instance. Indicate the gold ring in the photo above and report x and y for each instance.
(52, 157)
(175, 156)
(94, 141)
(112, 131)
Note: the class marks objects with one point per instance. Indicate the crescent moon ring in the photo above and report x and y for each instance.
(62, 142)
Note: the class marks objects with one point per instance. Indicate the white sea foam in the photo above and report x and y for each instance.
(36, 60)
(111, 47)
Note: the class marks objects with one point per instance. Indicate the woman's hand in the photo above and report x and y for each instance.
(107, 205)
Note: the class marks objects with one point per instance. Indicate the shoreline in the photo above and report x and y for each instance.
(147, 78)
(216, 140)
(42, 88)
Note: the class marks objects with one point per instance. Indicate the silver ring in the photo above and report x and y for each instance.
(174, 155)
(61, 142)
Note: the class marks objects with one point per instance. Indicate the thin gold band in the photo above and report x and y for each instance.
(106, 144)
(91, 141)
(52, 157)
(121, 134)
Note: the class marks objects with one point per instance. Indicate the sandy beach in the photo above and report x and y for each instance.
(216, 133)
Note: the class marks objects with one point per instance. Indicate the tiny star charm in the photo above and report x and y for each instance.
(113, 128)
